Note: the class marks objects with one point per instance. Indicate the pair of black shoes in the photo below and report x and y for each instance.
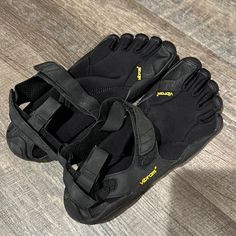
(117, 120)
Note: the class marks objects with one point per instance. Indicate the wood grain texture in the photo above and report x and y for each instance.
(211, 22)
(196, 199)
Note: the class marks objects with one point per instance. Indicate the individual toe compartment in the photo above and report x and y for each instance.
(204, 90)
(124, 42)
(160, 59)
(138, 43)
(110, 42)
(182, 71)
(152, 45)
(209, 109)
(207, 127)
(174, 80)
(104, 48)
(197, 82)
(170, 47)
(207, 92)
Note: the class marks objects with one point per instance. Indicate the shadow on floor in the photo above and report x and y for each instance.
(202, 202)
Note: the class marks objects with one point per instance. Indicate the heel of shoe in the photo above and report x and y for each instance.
(23, 147)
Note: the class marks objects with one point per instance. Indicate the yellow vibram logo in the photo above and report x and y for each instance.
(149, 176)
(139, 72)
(169, 94)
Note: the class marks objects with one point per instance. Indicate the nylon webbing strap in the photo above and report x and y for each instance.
(115, 118)
(76, 193)
(31, 89)
(144, 130)
(44, 113)
(18, 119)
(90, 170)
(68, 87)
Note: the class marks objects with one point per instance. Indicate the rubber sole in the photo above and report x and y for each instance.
(22, 146)
(122, 204)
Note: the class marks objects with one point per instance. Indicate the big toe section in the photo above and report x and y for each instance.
(183, 70)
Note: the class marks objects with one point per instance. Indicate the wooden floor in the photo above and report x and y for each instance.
(196, 199)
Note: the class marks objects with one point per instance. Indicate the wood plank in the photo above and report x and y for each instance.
(204, 21)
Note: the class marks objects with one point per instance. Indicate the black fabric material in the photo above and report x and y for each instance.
(185, 110)
(68, 87)
(126, 65)
(120, 144)
(82, 147)
(51, 140)
(81, 198)
(115, 144)
(89, 171)
(79, 187)
(123, 66)
(18, 118)
(83, 184)
(115, 118)
(31, 89)
(41, 116)
(41, 113)
(184, 106)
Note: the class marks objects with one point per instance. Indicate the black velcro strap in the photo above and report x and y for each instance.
(115, 118)
(44, 113)
(18, 119)
(90, 169)
(145, 134)
(68, 87)
(52, 140)
(77, 195)
(31, 89)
